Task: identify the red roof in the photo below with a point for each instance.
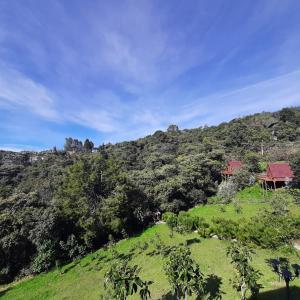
(278, 172)
(232, 166)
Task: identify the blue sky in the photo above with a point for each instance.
(119, 70)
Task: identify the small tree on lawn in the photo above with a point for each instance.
(227, 191)
(122, 280)
(171, 220)
(246, 276)
(184, 274)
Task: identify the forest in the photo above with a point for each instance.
(58, 205)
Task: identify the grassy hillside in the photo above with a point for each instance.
(83, 279)
(74, 200)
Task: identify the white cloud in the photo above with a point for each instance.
(18, 147)
(19, 91)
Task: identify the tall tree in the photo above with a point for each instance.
(88, 145)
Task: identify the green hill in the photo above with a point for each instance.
(83, 278)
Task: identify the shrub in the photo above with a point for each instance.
(227, 191)
(280, 203)
(186, 222)
(243, 178)
(45, 258)
(203, 228)
(225, 229)
(295, 193)
(171, 220)
(270, 231)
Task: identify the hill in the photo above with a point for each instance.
(56, 206)
(83, 278)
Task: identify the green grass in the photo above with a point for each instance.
(83, 279)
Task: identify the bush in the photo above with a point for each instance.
(186, 222)
(45, 258)
(280, 203)
(203, 228)
(270, 231)
(227, 191)
(243, 178)
(225, 229)
(295, 193)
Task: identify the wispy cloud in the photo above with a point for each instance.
(18, 91)
(120, 70)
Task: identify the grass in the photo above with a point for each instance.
(83, 279)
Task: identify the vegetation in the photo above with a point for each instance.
(150, 251)
(184, 274)
(122, 280)
(57, 206)
(246, 276)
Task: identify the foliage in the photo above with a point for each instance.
(295, 193)
(186, 222)
(224, 229)
(227, 191)
(75, 199)
(279, 203)
(184, 274)
(243, 178)
(270, 231)
(171, 220)
(124, 281)
(246, 276)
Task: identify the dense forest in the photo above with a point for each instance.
(55, 206)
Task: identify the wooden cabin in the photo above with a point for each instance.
(277, 175)
(232, 167)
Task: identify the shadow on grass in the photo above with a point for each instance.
(168, 296)
(293, 293)
(192, 241)
(212, 287)
(69, 267)
(212, 290)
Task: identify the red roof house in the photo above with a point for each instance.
(232, 167)
(277, 172)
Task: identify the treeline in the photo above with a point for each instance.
(59, 207)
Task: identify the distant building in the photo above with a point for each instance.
(232, 167)
(277, 175)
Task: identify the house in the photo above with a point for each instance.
(277, 175)
(232, 167)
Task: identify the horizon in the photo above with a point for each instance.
(124, 141)
(114, 72)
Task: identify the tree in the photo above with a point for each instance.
(295, 164)
(227, 191)
(243, 178)
(88, 145)
(246, 276)
(173, 128)
(122, 280)
(280, 203)
(171, 220)
(73, 145)
(184, 274)
(252, 160)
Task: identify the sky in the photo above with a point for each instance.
(119, 70)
